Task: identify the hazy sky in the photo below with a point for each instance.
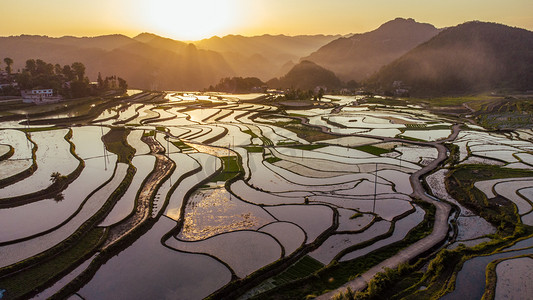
(196, 19)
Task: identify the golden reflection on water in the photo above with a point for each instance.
(213, 211)
(216, 151)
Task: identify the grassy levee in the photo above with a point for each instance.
(302, 268)
(27, 282)
(333, 123)
(8, 154)
(439, 279)
(26, 173)
(217, 137)
(371, 241)
(54, 189)
(499, 211)
(223, 116)
(337, 273)
(39, 265)
(491, 276)
(373, 150)
(301, 127)
(122, 243)
(157, 119)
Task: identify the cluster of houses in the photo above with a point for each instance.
(40, 96)
(36, 96)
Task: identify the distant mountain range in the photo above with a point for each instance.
(467, 58)
(361, 55)
(264, 56)
(149, 61)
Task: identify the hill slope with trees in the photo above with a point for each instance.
(306, 76)
(469, 58)
(361, 55)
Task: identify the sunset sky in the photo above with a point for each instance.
(197, 19)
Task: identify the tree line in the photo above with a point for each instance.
(69, 81)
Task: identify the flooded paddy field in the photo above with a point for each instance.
(196, 195)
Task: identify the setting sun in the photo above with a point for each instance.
(190, 20)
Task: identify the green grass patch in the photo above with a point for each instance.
(254, 149)
(31, 278)
(272, 159)
(182, 146)
(425, 127)
(450, 101)
(115, 142)
(373, 150)
(356, 215)
(498, 211)
(302, 268)
(149, 133)
(308, 147)
(250, 132)
(230, 170)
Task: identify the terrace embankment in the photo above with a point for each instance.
(439, 233)
(163, 167)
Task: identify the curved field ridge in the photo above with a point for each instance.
(53, 155)
(171, 274)
(243, 251)
(338, 242)
(401, 228)
(49, 213)
(13, 253)
(125, 205)
(313, 219)
(288, 234)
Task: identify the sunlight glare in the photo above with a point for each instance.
(192, 19)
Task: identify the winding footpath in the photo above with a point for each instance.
(439, 233)
(162, 168)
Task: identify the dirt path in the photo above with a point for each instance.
(163, 166)
(439, 233)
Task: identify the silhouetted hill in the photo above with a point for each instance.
(263, 56)
(306, 76)
(470, 57)
(361, 55)
(153, 63)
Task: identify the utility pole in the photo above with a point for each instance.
(375, 188)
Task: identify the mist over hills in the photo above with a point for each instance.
(468, 58)
(361, 55)
(264, 56)
(153, 63)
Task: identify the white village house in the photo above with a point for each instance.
(40, 96)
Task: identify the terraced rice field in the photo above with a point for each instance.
(191, 201)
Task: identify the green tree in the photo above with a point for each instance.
(8, 62)
(100, 81)
(24, 80)
(31, 66)
(67, 73)
(79, 70)
(58, 70)
(122, 84)
(320, 93)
